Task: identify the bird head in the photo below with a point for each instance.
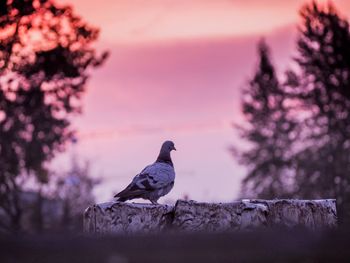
(168, 146)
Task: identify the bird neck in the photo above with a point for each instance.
(164, 157)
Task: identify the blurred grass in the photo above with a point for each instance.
(257, 246)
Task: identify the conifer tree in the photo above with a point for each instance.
(323, 165)
(268, 132)
(46, 54)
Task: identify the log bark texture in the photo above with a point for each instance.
(124, 218)
(117, 217)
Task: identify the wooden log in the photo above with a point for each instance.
(124, 218)
(117, 217)
(195, 216)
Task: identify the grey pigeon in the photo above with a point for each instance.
(155, 181)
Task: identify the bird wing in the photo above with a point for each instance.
(153, 177)
(158, 175)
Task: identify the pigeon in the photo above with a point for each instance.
(154, 181)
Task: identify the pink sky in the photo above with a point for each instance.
(175, 71)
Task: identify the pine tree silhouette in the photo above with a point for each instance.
(323, 166)
(46, 54)
(268, 133)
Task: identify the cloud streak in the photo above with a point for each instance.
(137, 130)
(140, 21)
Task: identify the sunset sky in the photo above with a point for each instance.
(175, 72)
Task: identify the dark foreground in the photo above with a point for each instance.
(261, 246)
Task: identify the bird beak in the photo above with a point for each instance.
(174, 148)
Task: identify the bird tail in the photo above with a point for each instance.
(122, 199)
(124, 195)
(128, 194)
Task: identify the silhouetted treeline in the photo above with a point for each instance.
(299, 129)
(46, 53)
